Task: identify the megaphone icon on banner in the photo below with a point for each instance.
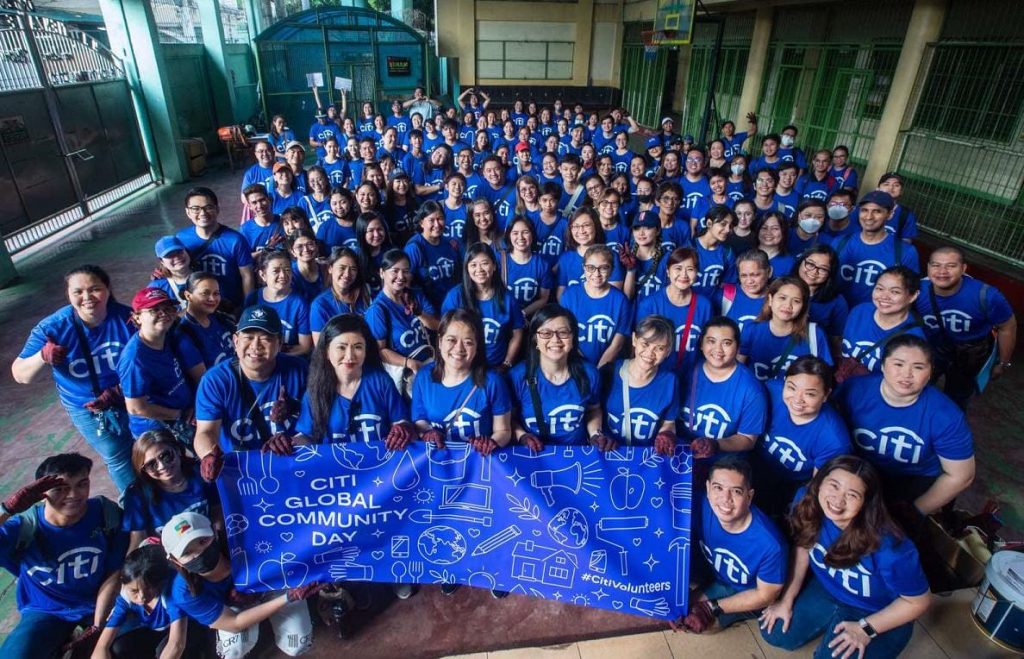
(569, 478)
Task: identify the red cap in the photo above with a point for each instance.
(278, 166)
(522, 146)
(148, 298)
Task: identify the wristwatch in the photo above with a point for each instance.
(716, 610)
(1005, 364)
(868, 629)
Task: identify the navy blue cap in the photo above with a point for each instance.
(653, 141)
(687, 139)
(168, 244)
(880, 197)
(260, 317)
(647, 219)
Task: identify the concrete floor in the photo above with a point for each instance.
(33, 425)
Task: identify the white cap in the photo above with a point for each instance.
(181, 530)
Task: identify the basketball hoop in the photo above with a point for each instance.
(650, 44)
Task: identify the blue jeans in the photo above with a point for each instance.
(816, 612)
(113, 442)
(38, 636)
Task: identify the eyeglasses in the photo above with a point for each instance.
(591, 269)
(814, 268)
(209, 208)
(162, 310)
(547, 335)
(305, 247)
(165, 458)
(695, 160)
(608, 203)
(579, 226)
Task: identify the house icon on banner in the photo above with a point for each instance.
(551, 567)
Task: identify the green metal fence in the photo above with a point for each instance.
(962, 149)
(833, 92)
(732, 67)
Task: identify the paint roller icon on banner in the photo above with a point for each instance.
(619, 532)
(574, 478)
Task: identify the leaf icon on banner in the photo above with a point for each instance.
(523, 508)
(306, 452)
(651, 458)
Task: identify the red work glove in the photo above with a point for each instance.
(282, 408)
(31, 494)
(626, 257)
(275, 240)
(484, 445)
(278, 444)
(703, 447)
(158, 273)
(305, 592)
(211, 464)
(399, 436)
(700, 617)
(532, 442)
(408, 300)
(435, 437)
(603, 442)
(53, 353)
(82, 641)
(109, 397)
(665, 443)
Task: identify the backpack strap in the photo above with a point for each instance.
(112, 515)
(812, 337)
(250, 404)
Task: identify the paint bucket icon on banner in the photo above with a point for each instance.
(449, 463)
(680, 500)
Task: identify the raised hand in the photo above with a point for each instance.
(31, 494)
(53, 353)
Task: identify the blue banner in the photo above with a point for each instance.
(608, 530)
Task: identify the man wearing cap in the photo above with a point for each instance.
(655, 149)
(667, 134)
(902, 221)
(250, 401)
(157, 369)
(322, 128)
(215, 248)
(732, 140)
(863, 256)
(65, 553)
(208, 595)
(524, 161)
(295, 156)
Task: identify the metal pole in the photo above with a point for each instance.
(713, 78)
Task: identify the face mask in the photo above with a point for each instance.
(206, 561)
(787, 140)
(837, 212)
(810, 224)
(737, 169)
(645, 198)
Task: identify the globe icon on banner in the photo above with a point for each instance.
(442, 545)
(569, 528)
(369, 456)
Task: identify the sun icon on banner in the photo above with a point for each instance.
(423, 495)
(263, 547)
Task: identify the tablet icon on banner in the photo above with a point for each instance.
(400, 546)
(469, 496)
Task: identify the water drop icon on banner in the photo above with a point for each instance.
(405, 476)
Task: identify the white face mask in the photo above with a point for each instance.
(810, 224)
(787, 140)
(837, 212)
(737, 169)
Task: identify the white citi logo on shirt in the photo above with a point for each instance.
(864, 273)
(466, 424)
(709, 277)
(643, 424)
(443, 269)
(691, 341)
(855, 580)
(74, 564)
(105, 354)
(562, 419)
(597, 329)
(786, 452)
(214, 264)
(710, 420)
(727, 564)
(895, 442)
(367, 429)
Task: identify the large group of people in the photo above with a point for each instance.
(517, 277)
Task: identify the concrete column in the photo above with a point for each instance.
(584, 36)
(221, 85)
(754, 77)
(133, 36)
(925, 27)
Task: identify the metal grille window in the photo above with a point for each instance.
(177, 21)
(236, 26)
(517, 60)
(975, 92)
(732, 67)
(962, 150)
